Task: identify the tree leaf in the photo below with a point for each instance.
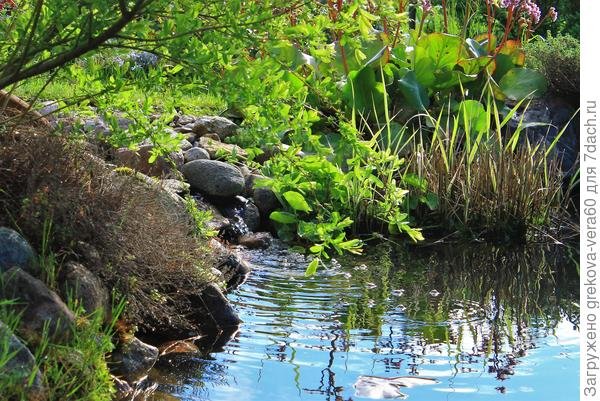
(283, 217)
(297, 201)
(311, 269)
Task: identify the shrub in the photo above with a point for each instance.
(558, 59)
(145, 239)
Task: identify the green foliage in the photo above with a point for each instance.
(352, 88)
(201, 218)
(558, 59)
(76, 370)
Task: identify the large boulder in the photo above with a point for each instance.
(214, 178)
(134, 360)
(21, 366)
(85, 287)
(15, 251)
(38, 305)
(215, 125)
(542, 122)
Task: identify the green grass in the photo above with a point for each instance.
(186, 98)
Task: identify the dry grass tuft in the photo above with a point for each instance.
(144, 239)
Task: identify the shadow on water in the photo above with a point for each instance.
(481, 320)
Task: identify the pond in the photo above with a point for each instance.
(447, 322)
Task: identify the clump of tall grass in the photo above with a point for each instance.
(490, 181)
(75, 370)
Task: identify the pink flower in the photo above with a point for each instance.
(509, 3)
(426, 5)
(531, 9)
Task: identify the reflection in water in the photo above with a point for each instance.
(482, 321)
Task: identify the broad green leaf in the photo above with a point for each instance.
(283, 217)
(473, 116)
(364, 93)
(414, 93)
(297, 201)
(435, 57)
(522, 83)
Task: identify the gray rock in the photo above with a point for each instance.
(256, 240)
(218, 221)
(265, 200)
(216, 149)
(175, 186)
(196, 154)
(181, 120)
(86, 288)
(212, 136)
(21, 366)
(185, 145)
(244, 209)
(134, 360)
(124, 392)
(49, 107)
(38, 305)
(235, 270)
(215, 125)
(251, 216)
(250, 182)
(214, 178)
(216, 306)
(138, 160)
(15, 251)
(543, 121)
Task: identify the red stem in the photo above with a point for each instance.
(445, 16)
(489, 26)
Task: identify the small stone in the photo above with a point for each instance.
(123, 390)
(21, 365)
(134, 359)
(15, 251)
(215, 125)
(235, 270)
(86, 288)
(195, 154)
(265, 200)
(185, 145)
(260, 240)
(181, 120)
(138, 160)
(216, 149)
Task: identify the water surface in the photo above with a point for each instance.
(484, 322)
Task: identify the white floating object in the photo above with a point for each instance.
(381, 388)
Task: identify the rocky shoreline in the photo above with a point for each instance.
(239, 216)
